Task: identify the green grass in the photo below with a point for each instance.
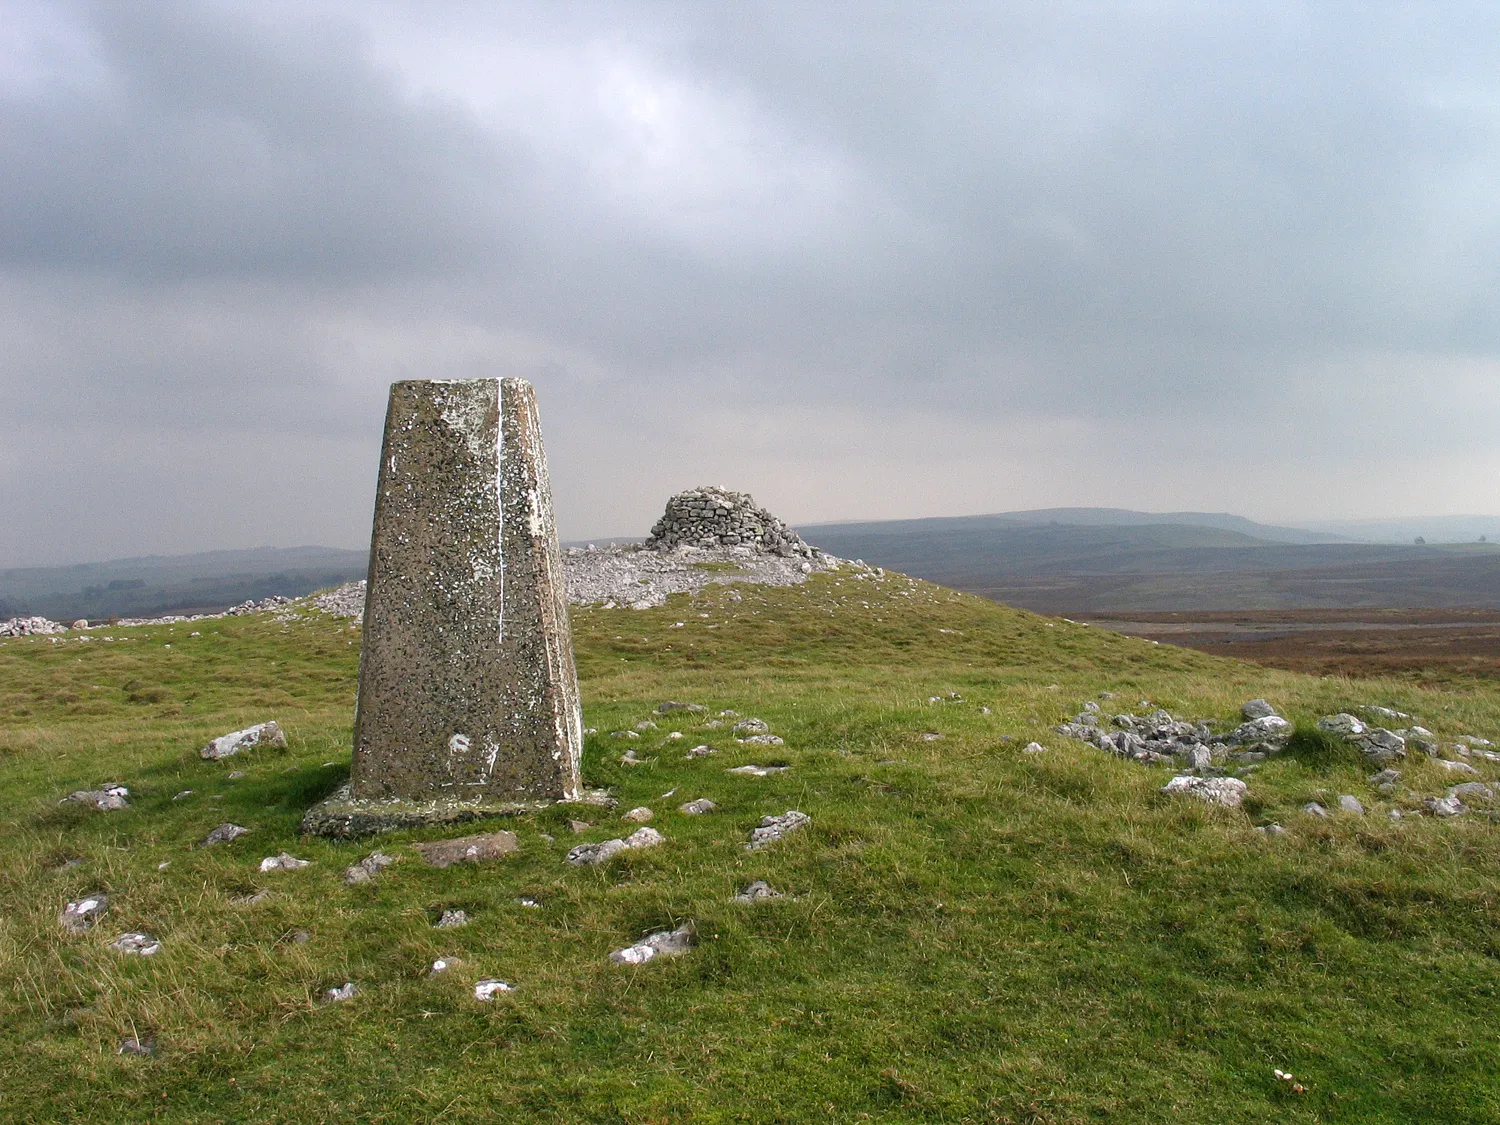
(970, 933)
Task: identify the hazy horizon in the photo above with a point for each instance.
(865, 262)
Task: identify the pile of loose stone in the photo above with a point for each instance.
(1206, 758)
(30, 627)
(42, 627)
(717, 517)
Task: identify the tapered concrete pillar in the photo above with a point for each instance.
(468, 694)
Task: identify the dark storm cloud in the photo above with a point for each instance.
(882, 258)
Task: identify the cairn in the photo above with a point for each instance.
(716, 517)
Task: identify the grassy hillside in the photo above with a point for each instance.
(970, 933)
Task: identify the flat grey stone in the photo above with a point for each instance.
(79, 917)
(1445, 806)
(452, 920)
(130, 1045)
(1343, 725)
(1226, 791)
(758, 891)
(106, 799)
(1456, 767)
(673, 705)
(697, 808)
(639, 815)
(773, 828)
(1256, 709)
(762, 740)
(751, 726)
(282, 862)
(237, 742)
(1313, 808)
(1472, 791)
(1351, 804)
(223, 834)
(757, 771)
(1272, 830)
(136, 944)
(468, 849)
(367, 868)
(591, 855)
(664, 943)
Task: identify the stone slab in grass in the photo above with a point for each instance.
(469, 849)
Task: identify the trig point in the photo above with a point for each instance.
(468, 694)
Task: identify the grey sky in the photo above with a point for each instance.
(864, 260)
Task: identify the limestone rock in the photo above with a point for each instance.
(1226, 791)
(773, 828)
(1313, 808)
(1456, 767)
(105, 800)
(235, 742)
(1351, 804)
(763, 740)
(757, 771)
(282, 862)
(130, 1045)
(487, 989)
(758, 891)
(223, 834)
(1344, 725)
(136, 944)
(591, 855)
(1033, 748)
(347, 991)
(367, 868)
(1271, 731)
(673, 705)
(468, 849)
(664, 943)
(79, 917)
(1256, 709)
(1472, 791)
(751, 726)
(1445, 806)
(639, 815)
(452, 920)
(697, 808)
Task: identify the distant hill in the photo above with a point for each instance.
(1066, 565)
(1435, 529)
(159, 584)
(1124, 517)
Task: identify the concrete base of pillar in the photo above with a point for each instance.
(342, 815)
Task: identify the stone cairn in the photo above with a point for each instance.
(716, 517)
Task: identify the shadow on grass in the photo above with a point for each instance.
(1320, 751)
(309, 787)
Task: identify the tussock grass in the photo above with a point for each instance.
(969, 933)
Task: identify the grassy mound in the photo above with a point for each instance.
(968, 932)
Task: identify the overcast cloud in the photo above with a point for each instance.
(864, 260)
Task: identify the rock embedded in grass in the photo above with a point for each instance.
(1351, 804)
(640, 815)
(773, 828)
(367, 868)
(1472, 791)
(130, 1045)
(1033, 748)
(1253, 709)
(238, 741)
(1313, 808)
(105, 799)
(79, 917)
(664, 943)
(673, 705)
(347, 992)
(487, 989)
(452, 920)
(1445, 806)
(697, 808)
(282, 862)
(223, 834)
(1456, 767)
(136, 944)
(751, 726)
(765, 740)
(700, 751)
(468, 849)
(758, 891)
(757, 771)
(1226, 791)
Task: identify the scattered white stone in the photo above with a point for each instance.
(1033, 748)
(130, 1045)
(488, 989)
(261, 734)
(30, 627)
(1226, 791)
(1343, 724)
(773, 828)
(136, 944)
(1272, 830)
(282, 862)
(700, 751)
(223, 834)
(665, 943)
(697, 808)
(931, 735)
(184, 794)
(529, 903)
(758, 891)
(591, 855)
(762, 740)
(1385, 713)
(640, 815)
(751, 726)
(78, 917)
(1312, 808)
(452, 920)
(757, 771)
(439, 967)
(1472, 791)
(623, 734)
(335, 995)
(1351, 804)
(629, 759)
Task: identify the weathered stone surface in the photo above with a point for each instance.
(718, 517)
(261, 734)
(773, 828)
(697, 808)
(136, 944)
(1256, 709)
(758, 891)
(79, 917)
(1226, 791)
(366, 869)
(223, 834)
(468, 693)
(468, 849)
(282, 862)
(105, 800)
(665, 943)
